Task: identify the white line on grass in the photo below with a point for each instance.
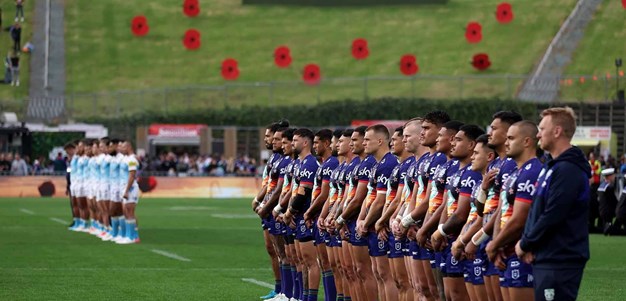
(234, 216)
(190, 208)
(257, 282)
(170, 255)
(27, 211)
(58, 220)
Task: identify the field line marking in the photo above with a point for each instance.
(257, 282)
(58, 220)
(170, 255)
(27, 211)
(234, 216)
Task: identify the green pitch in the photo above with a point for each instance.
(216, 244)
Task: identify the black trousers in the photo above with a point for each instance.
(557, 284)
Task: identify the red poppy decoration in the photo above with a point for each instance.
(192, 39)
(481, 61)
(139, 26)
(504, 13)
(191, 8)
(408, 65)
(624, 4)
(311, 74)
(359, 49)
(473, 32)
(230, 71)
(282, 57)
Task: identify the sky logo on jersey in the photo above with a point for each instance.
(526, 187)
(306, 173)
(382, 179)
(364, 172)
(327, 171)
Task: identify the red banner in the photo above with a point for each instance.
(175, 130)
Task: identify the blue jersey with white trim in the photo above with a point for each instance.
(92, 166)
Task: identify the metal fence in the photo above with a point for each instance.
(574, 88)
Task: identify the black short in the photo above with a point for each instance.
(557, 283)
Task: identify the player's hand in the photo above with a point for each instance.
(526, 257)
(437, 240)
(491, 251)
(279, 218)
(254, 204)
(470, 250)
(382, 235)
(380, 225)
(421, 237)
(320, 223)
(488, 178)
(411, 232)
(360, 228)
(500, 261)
(275, 214)
(125, 196)
(457, 249)
(67, 192)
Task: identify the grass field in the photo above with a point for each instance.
(103, 55)
(221, 239)
(8, 14)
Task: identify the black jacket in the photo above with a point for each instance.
(557, 228)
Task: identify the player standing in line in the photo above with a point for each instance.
(357, 193)
(115, 210)
(458, 196)
(430, 259)
(70, 150)
(489, 198)
(411, 139)
(130, 194)
(516, 197)
(395, 188)
(352, 288)
(431, 124)
(376, 144)
(92, 184)
(556, 235)
(104, 196)
(321, 190)
(269, 247)
(333, 241)
(276, 178)
(484, 155)
(81, 186)
(294, 216)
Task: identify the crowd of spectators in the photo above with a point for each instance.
(16, 165)
(170, 164)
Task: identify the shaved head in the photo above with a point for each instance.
(528, 129)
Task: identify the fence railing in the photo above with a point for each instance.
(578, 88)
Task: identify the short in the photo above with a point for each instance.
(436, 263)
(91, 189)
(517, 274)
(73, 188)
(103, 192)
(413, 249)
(289, 235)
(355, 238)
(337, 241)
(557, 283)
(274, 227)
(79, 191)
(490, 268)
(474, 270)
(303, 233)
(133, 195)
(449, 265)
(396, 246)
(426, 254)
(377, 247)
(320, 235)
(115, 194)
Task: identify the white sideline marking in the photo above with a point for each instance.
(257, 282)
(234, 216)
(58, 220)
(27, 211)
(170, 255)
(190, 208)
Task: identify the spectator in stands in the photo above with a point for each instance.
(8, 160)
(622, 168)
(610, 162)
(5, 166)
(169, 163)
(15, 69)
(16, 35)
(59, 163)
(19, 10)
(19, 167)
(38, 166)
(594, 182)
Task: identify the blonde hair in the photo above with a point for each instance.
(563, 117)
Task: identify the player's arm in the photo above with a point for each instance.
(259, 196)
(431, 224)
(319, 202)
(466, 237)
(513, 229)
(131, 177)
(376, 208)
(391, 209)
(419, 212)
(271, 203)
(456, 221)
(355, 203)
(298, 202)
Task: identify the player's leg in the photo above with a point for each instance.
(427, 259)
(335, 266)
(330, 291)
(378, 250)
(352, 289)
(454, 283)
(271, 251)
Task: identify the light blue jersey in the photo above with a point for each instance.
(73, 169)
(92, 168)
(83, 162)
(114, 171)
(105, 165)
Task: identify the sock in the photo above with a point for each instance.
(91, 222)
(296, 283)
(340, 297)
(330, 291)
(115, 223)
(277, 286)
(347, 298)
(285, 272)
(313, 295)
(130, 229)
(305, 295)
(122, 230)
(302, 286)
(75, 224)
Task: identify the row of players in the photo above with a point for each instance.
(435, 211)
(104, 190)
